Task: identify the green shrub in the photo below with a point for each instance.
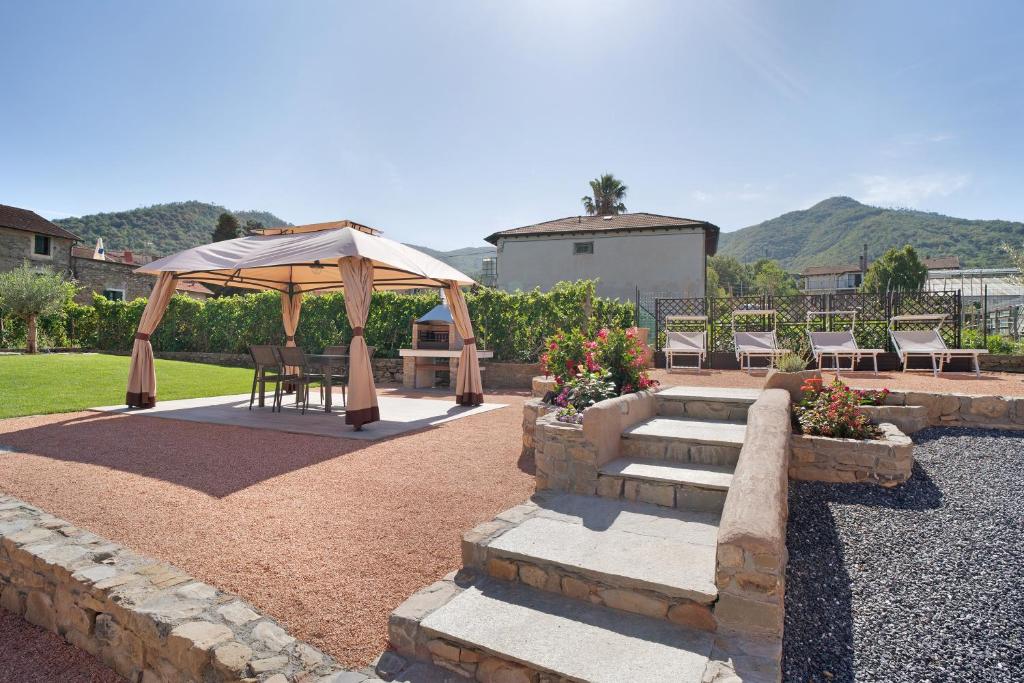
(511, 324)
(791, 362)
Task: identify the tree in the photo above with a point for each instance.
(608, 193)
(771, 279)
(733, 277)
(898, 270)
(251, 226)
(28, 294)
(227, 228)
(1017, 259)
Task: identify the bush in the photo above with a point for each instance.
(832, 411)
(586, 389)
(791, 362)
(513, 325)
(617, 354)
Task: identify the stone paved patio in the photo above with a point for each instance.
(325, 534)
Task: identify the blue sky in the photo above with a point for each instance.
(442, 122)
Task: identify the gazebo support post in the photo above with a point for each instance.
(357, 278)
(469, 389)
(141, 391)
(291, 307)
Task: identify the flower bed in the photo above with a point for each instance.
(836, 440)
(589, 370)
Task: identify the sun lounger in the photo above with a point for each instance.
(928, 344)
(839, 344)
(750, 345)
(685, 343)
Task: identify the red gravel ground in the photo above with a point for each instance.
(29, 654)
(989, 384)
(327, 535)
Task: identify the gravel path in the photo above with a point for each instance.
(328, 535)
(29, 654)
(924, 582)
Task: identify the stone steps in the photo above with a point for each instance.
(497, 631)
(706, 403)
(629, 556)
(692, 440)
(667, 483)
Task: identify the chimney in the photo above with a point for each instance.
(126, 256)
(864, 259)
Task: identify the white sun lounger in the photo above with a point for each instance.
(750, 345)
(685, 343)
(928, 344)
(839, 345)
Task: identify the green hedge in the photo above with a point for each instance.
(512, 324)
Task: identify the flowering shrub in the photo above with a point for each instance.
(871, 398)
(832, 411)
(586, 389)
(590, 370)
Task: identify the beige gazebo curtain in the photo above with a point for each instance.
(469, 390)
(357, 276)
(291, 306)
(141, 374)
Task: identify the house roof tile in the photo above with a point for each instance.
(22, 219)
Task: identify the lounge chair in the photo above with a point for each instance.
(928, 343)
(750, 345)
(685, 343)
(837, 345)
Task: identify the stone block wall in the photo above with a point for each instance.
(95, 276)
(532, 411)
(995, 362)
(149, 621)
(501, 375)
(16, 248)
(751, 558)
(963, 410)
(541, 385)
(887, 461)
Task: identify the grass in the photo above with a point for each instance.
(65, 382)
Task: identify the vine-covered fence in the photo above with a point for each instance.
(873, 313)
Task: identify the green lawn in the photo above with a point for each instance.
(63, 382)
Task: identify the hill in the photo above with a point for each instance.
(833, 232)
(160, 229)
(469, 260)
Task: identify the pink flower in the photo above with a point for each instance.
(602, 333)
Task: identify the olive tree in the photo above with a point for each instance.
(27, 294)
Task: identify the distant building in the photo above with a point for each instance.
(845, 278)
(489, 271)
(25, 236)
(626, 252)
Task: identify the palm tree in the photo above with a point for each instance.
(608, 195)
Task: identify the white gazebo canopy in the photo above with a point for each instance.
(295, 260)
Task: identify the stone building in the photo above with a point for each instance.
(27, 236)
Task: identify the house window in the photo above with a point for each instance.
(113, 294)
(583, 247)
(41, 246)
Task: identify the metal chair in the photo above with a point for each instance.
(267, 369)
(337, 378)
(292, 356)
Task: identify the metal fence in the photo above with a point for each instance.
(873, 315)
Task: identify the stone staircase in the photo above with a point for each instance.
(616, 587)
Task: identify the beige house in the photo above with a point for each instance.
(625, 252)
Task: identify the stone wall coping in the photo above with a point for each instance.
(146, 619)
(604, 422)
(755, 511)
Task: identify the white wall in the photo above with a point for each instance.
(655, 261)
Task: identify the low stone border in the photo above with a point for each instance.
(886, 461)
(541, 385)
(964, 410)
(147, 620)
(909, 419)
(533, 410)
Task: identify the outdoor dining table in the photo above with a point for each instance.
(327, 364)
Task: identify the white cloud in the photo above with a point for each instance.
(888, 190)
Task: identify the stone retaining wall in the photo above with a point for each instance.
(963, 410)
(568, 456)
(147, 620)
(998, 362)
(751, 558)
(886, 461)
(532, 411)
(541, 385)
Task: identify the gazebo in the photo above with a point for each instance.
(306, 259)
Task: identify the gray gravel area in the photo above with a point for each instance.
(924, 582)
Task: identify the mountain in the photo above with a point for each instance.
(834, 232)
(469, 260)
(163, 229)
(160, 229)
